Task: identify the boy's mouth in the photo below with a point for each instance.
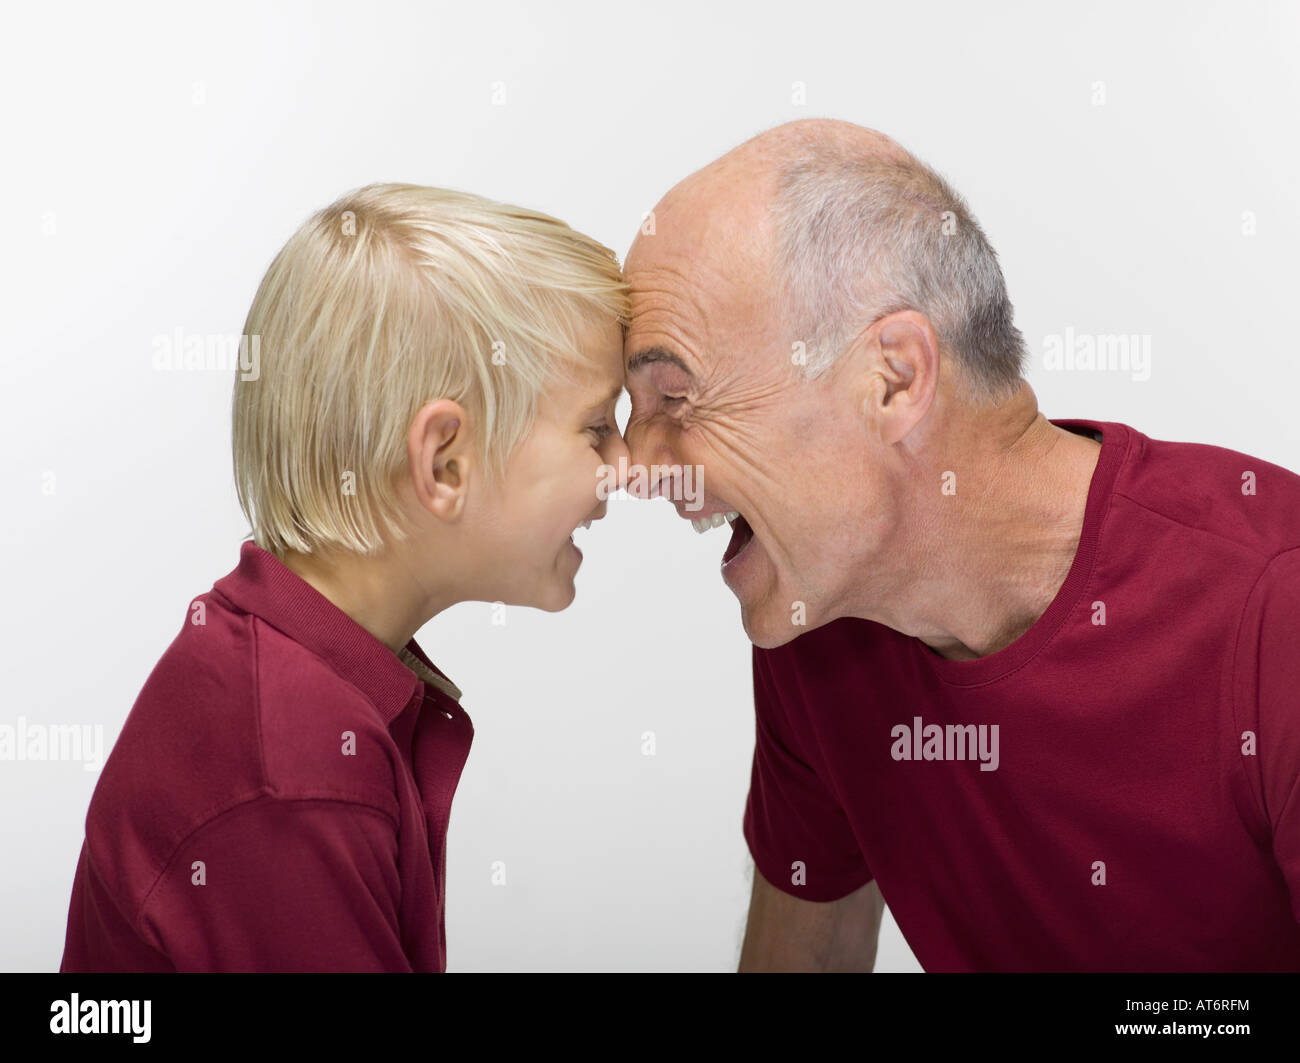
(586, 524)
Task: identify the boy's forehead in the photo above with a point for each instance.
(599, 371)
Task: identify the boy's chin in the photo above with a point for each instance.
(551, 592)
(556, 596)
(561, 606)
(565, 592)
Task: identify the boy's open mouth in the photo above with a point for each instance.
(584, 526)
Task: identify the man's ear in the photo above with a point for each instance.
(898, 374)
(439, 454)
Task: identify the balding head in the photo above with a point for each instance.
(727, 206)
(734, 198)
(845, 225)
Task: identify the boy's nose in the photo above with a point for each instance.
(618, 457)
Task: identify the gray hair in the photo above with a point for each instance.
(864, 236)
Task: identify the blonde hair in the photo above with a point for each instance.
(391, 297)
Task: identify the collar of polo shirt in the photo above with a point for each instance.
(425, 673)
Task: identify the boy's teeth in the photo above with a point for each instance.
(585, 524)
(715, 521)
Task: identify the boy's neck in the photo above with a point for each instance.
(373, 591)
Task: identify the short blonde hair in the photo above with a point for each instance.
(391, 297)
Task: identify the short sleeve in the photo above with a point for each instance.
(1271, 628)
(282, 885)
(792, 822)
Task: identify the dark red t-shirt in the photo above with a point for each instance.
(1142, 810)
(278, 798)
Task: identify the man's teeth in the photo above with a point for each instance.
(715, 521)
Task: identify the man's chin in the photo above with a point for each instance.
(766, 630)
(768, 625)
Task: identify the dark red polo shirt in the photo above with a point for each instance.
(278, 797)
(1144, 811)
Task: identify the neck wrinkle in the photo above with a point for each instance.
(979, 578)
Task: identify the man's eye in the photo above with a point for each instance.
(673, 400)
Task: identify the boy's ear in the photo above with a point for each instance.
(439, 453)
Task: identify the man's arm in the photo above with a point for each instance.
(784, 933)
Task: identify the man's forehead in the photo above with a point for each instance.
(672, 310)
(673, 280)
(688, 298)
(699, 268)
(718, 210)
(672, 245)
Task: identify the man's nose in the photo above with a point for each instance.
(649, 450)
(647, 446)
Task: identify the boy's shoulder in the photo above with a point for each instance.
(234, 711)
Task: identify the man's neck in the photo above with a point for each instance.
(989, 559)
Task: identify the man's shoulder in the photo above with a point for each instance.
(1228, 495)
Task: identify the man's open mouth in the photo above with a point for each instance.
(741, 533)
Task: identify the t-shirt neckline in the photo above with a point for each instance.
(1115, 442)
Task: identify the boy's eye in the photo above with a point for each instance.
(602, 431)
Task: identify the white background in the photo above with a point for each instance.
(174, 151)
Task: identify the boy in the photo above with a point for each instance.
(426, 423)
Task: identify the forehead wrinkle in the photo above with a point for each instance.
(668, 284)
(657, 311)
(731, 378)
(705, 302)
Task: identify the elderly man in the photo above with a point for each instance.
(1032, 682)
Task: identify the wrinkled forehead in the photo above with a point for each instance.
(700, 269)
(697, 281)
